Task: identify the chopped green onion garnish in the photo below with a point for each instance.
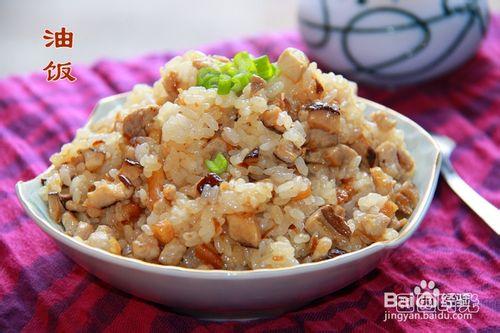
(213, 81)
(244, 62)
(204, 75)
(224, 85)
(218, 165)
(240, 81)
(236, 74)
(264, 67)
(229, 69)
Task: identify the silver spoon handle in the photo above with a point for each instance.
(485, 210)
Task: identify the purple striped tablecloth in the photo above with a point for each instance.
(42, 290)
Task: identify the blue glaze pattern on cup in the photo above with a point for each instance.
(390, 42)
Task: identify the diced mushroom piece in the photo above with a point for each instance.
(382, 181)
(318, 86)
(284, 104)
(324, 116)
(208, 255)
(339, 155)
(93, 159)
(293, 63)
(335, 252)
(130, 172)
(256, 83)
(106, 194)
(317, 138)
(384, 123)
(211, 179)
(69, 222)
(406, 198)
(405, 160)
(287, 152)
(124, 179)
(270, 119)
(251, 158)
(137, 123)
(371, 156)
(56, 208)
(387, 154)
(326, 222)
(244, 229)
(65, 194)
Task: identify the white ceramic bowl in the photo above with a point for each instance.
(221, 294)
(388, 42)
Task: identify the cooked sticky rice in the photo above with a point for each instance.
(305, 176)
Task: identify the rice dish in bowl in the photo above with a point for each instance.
(235, 164)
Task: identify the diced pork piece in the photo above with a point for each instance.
(382, 181)
(405, 161)
(69, 222)
(387, 155)
(106, 194)
(83, 230)
(56, 208)
(172, 253)
(339, 155)
(383, 121)
(171, 83)
(320, 139)
(93, 159)
(103, 238)
(244, 229)
(406, 198)
(145, 247)
(293, 63)
(137, 123)
(287, 152)
(270, 119)
(333, 156)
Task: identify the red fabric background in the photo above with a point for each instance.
(42, 290)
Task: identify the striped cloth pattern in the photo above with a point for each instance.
(42, 290)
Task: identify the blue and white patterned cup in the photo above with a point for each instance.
(391, 42)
